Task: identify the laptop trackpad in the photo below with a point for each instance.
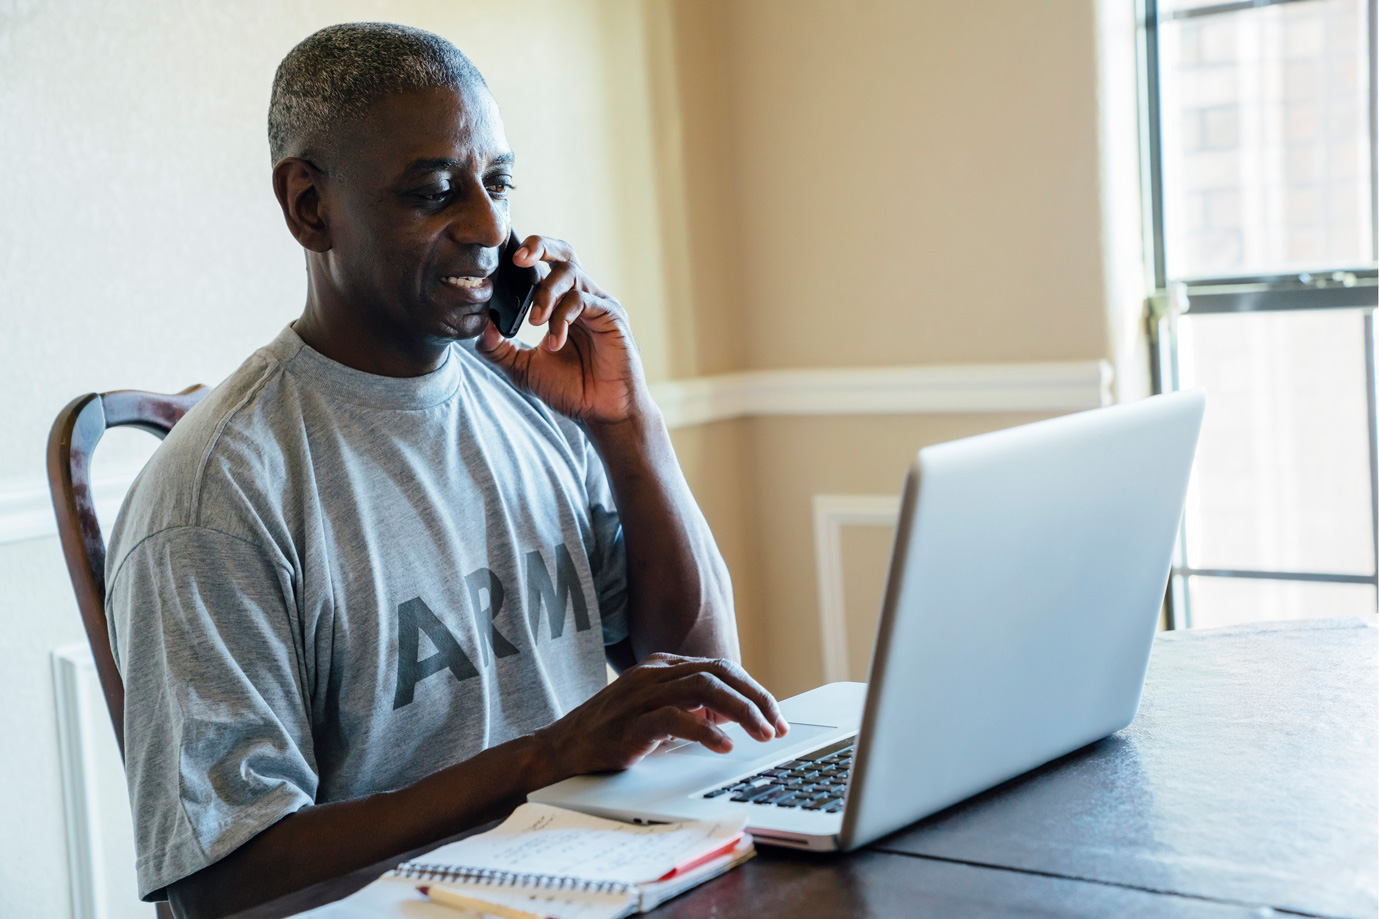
(747, 748)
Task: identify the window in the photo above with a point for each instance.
(1260, 129)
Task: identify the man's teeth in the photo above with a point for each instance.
(463, 282)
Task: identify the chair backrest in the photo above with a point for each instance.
(77, 430)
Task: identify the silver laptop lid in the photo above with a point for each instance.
(1025, 584)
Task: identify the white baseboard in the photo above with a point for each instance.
(73, 672)
(831, 514)
(26, 506)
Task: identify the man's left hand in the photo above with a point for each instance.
(587, 367)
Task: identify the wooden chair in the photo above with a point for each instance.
(77, 430)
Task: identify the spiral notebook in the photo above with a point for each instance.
(559, 863)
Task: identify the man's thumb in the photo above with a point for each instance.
(500, 351)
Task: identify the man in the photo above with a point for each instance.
(361, 596)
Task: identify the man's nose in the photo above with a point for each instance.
(481, 221)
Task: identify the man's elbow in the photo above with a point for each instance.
(215, 891)
(194, 896)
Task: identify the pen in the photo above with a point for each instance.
(450, 898)
(686, 867)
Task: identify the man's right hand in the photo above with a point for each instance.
(664, 697)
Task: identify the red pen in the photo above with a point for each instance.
(686, 867)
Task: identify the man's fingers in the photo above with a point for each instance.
(546, 253)
(733, 675)
(570, 308)
(707, 690)
(670, 721)
(716, 717)
(544, 249)
(552, 288)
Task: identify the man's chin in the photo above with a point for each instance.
(462, 326)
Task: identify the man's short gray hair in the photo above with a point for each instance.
(334, 75)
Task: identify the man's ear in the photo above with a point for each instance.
(298, 185)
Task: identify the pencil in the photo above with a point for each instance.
(450, 898)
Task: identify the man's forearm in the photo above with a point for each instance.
(325, 841)
(679, 592)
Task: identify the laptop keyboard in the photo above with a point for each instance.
(817, 781)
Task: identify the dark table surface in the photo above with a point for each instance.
(1247, 785)
(1248, 779)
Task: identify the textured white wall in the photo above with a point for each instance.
(141, 247)
(140, 244)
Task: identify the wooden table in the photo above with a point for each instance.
(1248, 782)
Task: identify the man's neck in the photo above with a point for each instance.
(343, 336)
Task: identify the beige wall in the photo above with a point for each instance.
(793, 459)
(870, 183)
(886, 183)
(918, 181)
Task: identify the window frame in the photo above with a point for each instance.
(1341, 287)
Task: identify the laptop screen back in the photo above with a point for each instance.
(1026, 580)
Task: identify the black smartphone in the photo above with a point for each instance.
(513, 288)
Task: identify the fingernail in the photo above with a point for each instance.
(521, 253)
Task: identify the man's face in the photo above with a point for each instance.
(417, 204)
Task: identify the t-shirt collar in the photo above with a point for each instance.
(305, 362)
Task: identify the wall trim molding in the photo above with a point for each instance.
(26, 510)
(831, 514)
(74, 672)
(26, 505)
(1050, 386)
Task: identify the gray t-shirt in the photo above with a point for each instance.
(327, 584)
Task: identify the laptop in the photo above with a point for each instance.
(1021, 602)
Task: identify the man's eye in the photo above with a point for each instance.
(434, 195)
(499, 188)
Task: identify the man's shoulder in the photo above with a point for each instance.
(229, 438)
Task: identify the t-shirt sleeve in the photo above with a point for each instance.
(607, 555)
(217, 730)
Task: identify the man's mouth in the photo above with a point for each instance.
(464, 282)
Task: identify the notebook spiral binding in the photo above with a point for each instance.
(427, 872)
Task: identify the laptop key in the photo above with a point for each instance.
(716, 792)
(821, 803)
(751, 794)
(771, 796)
